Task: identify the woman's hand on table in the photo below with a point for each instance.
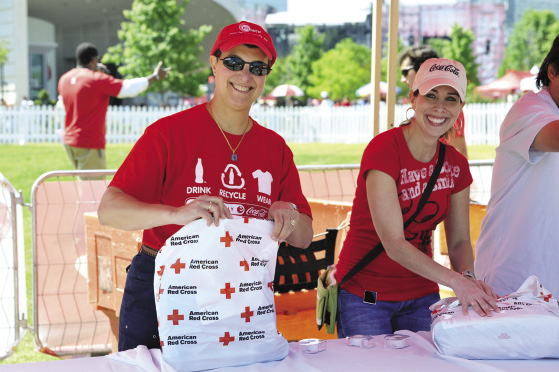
(478, 294)
(210, 208)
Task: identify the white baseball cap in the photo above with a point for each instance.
(435, 72)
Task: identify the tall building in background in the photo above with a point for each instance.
(256, 10)
(487, 20)
(516, 8)
(417, 24)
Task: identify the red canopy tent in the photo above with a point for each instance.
(505, 85)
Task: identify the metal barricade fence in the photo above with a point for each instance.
(64, 320)
(13, 299)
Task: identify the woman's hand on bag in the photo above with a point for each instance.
(210, 208)
(479, 295)
(285, 219)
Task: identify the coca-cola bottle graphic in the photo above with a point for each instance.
(199, 172)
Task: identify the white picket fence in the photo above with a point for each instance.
(125, 124)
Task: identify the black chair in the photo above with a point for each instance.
(298, 269)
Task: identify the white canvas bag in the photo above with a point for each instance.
(526, 328)
(214, 295)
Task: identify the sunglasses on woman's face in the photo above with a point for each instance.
(236, 64)
(406, 70)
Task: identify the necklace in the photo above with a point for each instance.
(233, 150)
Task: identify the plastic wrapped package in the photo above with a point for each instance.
(526, 328)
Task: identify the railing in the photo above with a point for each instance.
(13, 300)
(125, 124)
(64, 320)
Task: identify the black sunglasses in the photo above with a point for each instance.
(406, 70)
(237, 64)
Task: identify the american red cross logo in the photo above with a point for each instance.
(226, 339)
(227, 239)
(175, 317)
(247, 314)
(162, 343)
(160, 272)
(245, 219)
(271, 286)
(546, 297)
(244, 264)
(178, 266)
(161, 290)
(227, 291)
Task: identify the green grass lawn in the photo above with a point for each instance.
(22, 165)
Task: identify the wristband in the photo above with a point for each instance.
(469, 273)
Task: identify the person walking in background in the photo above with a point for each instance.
(85, 92)
(410, 60)
(519, 235)
(395, 290)
(211, 161)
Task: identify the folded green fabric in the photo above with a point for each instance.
(327, 301)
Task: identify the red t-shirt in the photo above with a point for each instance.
(183, 156)
(389, 153)
(86, 96)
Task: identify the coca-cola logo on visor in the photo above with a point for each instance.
(449, 68)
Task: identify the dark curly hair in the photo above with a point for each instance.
(417, 55)
(552, 59)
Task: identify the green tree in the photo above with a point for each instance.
(459, 48)
(154, 32)
(530, 41)
(341, 71)
(384, 70)
(439, 44)
(301, 58)
(280, 74)
(4, 50)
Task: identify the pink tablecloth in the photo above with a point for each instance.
(420, 356)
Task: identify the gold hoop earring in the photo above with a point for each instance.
(461, 124)
(410, 108)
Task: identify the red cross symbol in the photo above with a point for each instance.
(245, 219)
(271, 286)
(227, 239)
(227, 291)
(247, 314)
(161, 290)
(546, 297)
(162, 343)
(175, 317)
(160, 272)
(244, 264)
(178, 266)
(226, 339)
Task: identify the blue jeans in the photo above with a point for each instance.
(358, 318)
(138, 317)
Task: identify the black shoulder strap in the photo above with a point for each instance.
(369, 257)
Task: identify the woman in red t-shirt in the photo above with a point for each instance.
(395, 290)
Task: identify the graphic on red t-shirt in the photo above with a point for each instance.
(177, 160)
(388, 152)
